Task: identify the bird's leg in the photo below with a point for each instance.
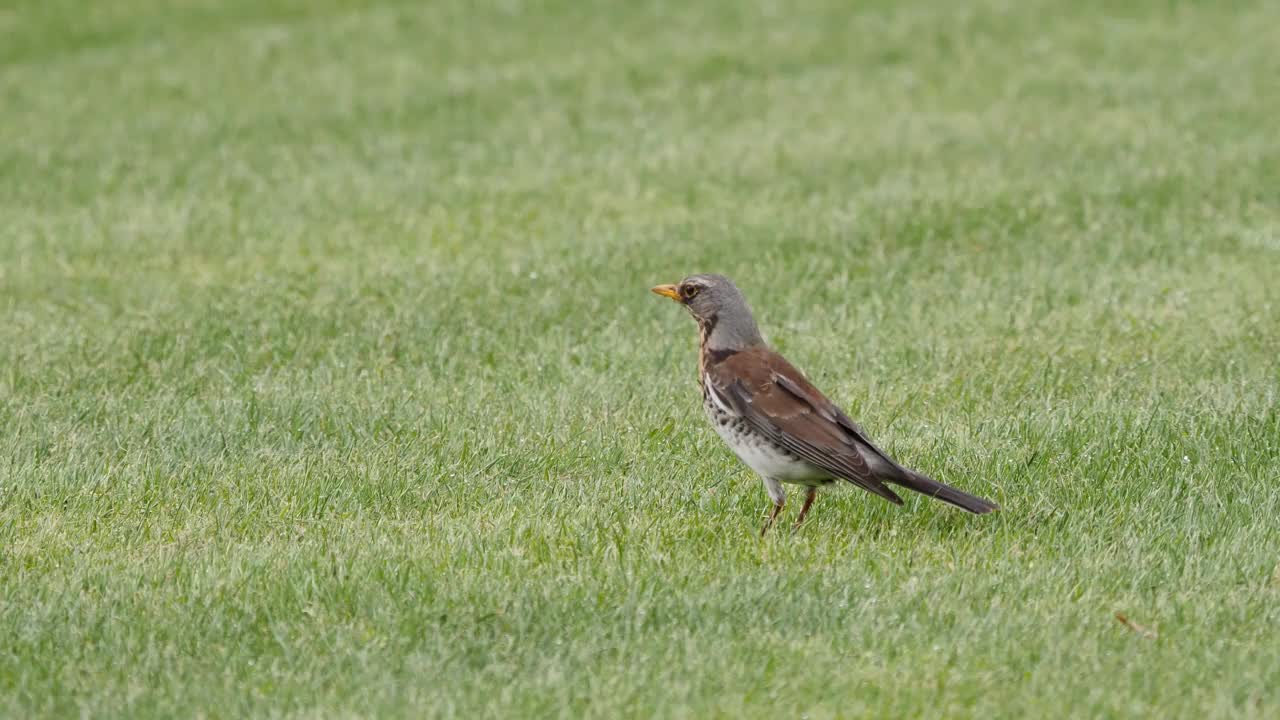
(777, 508)
(804, 510)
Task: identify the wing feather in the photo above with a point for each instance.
(794, 426)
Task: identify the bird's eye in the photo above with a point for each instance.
(690, 291)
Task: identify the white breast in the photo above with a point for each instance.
(759, 454)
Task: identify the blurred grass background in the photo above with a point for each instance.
(330, 384)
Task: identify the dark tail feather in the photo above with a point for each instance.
(946, 493)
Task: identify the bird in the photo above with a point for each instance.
(775, 420)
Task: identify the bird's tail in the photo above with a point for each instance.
(912, 480)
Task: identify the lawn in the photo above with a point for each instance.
(331, 385)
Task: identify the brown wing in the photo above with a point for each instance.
(777, 401)
(796, 384)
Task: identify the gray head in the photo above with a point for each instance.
(722, 313)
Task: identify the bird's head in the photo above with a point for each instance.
(720, 309)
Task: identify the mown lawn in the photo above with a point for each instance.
(330, 384)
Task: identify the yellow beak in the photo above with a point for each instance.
(670, 291)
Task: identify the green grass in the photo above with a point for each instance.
(330, 384)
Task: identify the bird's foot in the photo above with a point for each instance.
(777, 508)
(804, 510)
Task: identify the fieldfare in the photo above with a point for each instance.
(775, 420)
